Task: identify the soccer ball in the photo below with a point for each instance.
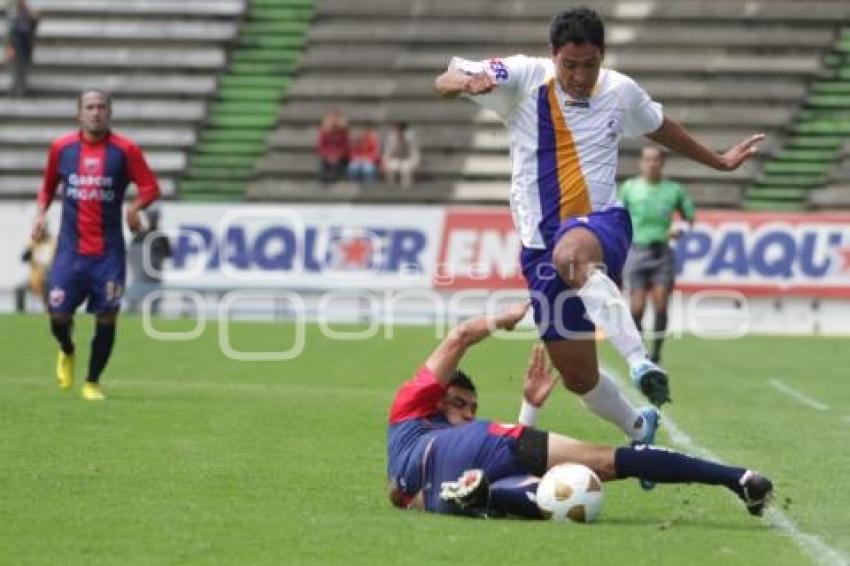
(570, 492)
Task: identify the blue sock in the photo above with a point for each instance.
(62, 332)
(101, 348)
(663, 465)
(514, 495)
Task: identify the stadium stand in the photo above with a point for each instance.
(812, 156)
(266, 55)
(725, 68)
(160, 58)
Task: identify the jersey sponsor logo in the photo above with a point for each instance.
(89, 180)
(498, 70)
(89, 193)
(282, 249)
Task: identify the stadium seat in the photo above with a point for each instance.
(159, 58)
(726, 69)
(272, 36)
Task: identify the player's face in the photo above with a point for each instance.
(577, 68)
(459, 405)
(94, 113)
(651, 163)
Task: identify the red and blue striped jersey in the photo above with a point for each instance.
(94, 178)
(414, 414)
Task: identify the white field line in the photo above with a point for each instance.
(789, 391)
(813, 546)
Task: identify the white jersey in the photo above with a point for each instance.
(563, 150)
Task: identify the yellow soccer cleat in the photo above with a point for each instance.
(92, 392)
(65, 370)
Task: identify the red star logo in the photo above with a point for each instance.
(356, 252)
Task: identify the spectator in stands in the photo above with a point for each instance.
(20, 40)
(39, 254)
(148, 251)
(333, 147)
(365, 155)
(401, 155)
(650, 269)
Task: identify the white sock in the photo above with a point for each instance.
(606, 309)
(608, 402)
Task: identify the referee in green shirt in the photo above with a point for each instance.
(651, 201)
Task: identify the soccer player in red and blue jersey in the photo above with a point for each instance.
(444, 460)
(94, 166)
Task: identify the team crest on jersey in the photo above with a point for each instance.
(57, 297)
(612, 131)
(91, 163)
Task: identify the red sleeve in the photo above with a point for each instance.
(51, 177)
(321, 143)
(418, 397)
(142, 175)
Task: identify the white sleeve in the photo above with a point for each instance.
(643, 115)
(511, 75)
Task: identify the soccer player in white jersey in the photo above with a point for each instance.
(565, 116)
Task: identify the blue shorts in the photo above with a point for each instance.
(558, 312)
(76, 277)
(481, 445)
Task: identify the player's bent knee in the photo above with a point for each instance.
(572, 261)
(579, 382)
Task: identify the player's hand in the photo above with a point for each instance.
(675, 233)
(734, 157)
(39, 226)
(539, 380)
(479, 83)
(134, 220)
(508, 318)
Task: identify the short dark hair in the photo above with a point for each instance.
(579, 26)
(461, 380)
(105, 94)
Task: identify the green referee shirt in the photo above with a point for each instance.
(651, 207)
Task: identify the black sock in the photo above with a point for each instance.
(663, 465)
(638, 318)
(513, 495)
(62, 331)
(101, 347)
(660, 333)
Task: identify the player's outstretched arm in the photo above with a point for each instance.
(454, 82)
(673, 135)
(445, 359)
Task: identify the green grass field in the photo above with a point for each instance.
(195, 458)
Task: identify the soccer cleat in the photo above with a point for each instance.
(756, 492)
(65, 370)
(92, 392)
(651, 417)
(652, 381)
(470, 491)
